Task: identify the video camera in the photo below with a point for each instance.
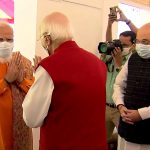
(108, 47)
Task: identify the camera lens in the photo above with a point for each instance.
(103, 48)
(108, 47)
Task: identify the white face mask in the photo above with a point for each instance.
(6, 49)
(143, 50)
(126, 51)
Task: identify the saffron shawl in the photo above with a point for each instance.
(22, 135)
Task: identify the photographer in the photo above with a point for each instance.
(114, 62)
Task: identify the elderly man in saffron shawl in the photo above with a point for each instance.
(15, 80)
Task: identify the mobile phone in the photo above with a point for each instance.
(113, 11)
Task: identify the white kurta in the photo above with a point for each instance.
(38, 99)
(118, 98)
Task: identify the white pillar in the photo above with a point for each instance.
(25, 27)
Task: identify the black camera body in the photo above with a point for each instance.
(108, 47)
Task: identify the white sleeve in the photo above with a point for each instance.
(120, 84)
(37, 101)
(144, 112)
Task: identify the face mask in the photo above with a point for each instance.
(125, 51)
(143, 50)
(6, 49)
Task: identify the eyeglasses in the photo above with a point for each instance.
(44, 35)
(143, 41)
(6, 39)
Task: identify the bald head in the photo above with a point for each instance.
(6, 31)
(144, 32)
(57, 25)
(57, 18)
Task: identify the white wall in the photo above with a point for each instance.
(25, 27)
(25, 36)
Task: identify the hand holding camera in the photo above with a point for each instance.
(111, 19)
(122, 16)
(114, 49)
(117, 57)
(108, 47)
(113, 15)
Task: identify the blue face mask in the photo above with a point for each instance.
(143, 50)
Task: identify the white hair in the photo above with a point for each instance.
(57, 26)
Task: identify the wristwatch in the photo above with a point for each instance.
(128, 22)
